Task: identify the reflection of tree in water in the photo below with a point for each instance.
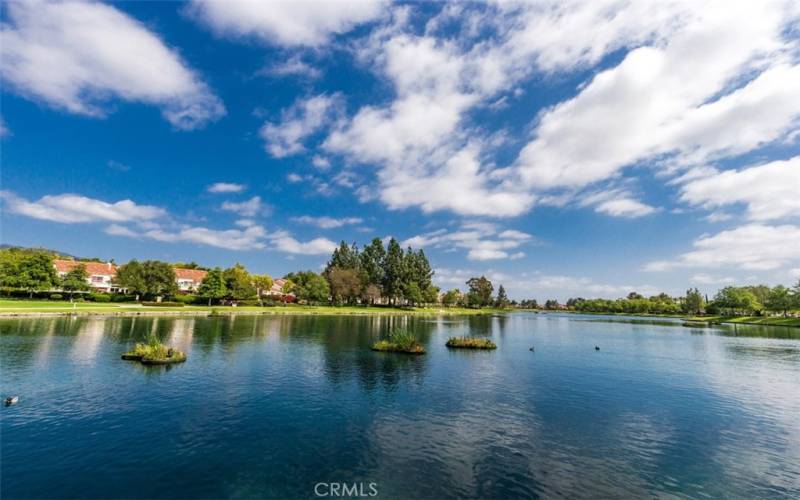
(480, 326)
(346, 342)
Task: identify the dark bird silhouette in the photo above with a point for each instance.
(531, 349)
(596, 348)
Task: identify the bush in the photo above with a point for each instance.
(400, 340)
(470, 343)
(163, 304)
(99, 297)
(56, 296)
(121, 297)
(186, 299)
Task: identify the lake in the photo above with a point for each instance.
(272, 406)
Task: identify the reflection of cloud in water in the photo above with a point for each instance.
(757, 383)
(88, 339)
(181, 334)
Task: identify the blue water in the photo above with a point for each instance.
(269, 407)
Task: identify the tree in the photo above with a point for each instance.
(431, 295)
(36, 272)
(502, 298)
(451, 297)
(634, 296)
(371, 260)
(345, 284)
(262, 283)
(213, 286)
(393, 271)
(736, 300)
(779, 299)
(413, 294)
(151, 278)
(371, 293)
(239, 283)
(693, 303)
(343, 257)
(309, 286)
(551, 304)
(480, 292)
(75, 280)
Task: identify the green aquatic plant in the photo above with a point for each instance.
(400, 340)
(470, 343)
(154, 352)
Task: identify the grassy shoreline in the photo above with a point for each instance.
(747, 320)
(38, 308)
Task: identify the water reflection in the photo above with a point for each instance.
(266, 405)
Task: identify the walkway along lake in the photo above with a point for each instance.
(270, 406)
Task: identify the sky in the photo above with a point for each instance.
(560, 148)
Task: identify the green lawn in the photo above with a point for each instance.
(21, 307)
(749, 320)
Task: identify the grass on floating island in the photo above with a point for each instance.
(399, 340)
(153, 352)
(470, 343)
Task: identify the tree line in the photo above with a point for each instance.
(729, 301)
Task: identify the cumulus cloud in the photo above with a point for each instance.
(73, 208)
(325, 222)
(542, 286)
(617, 203)
(248, 208)
(682, 98)
(483, 241)
(285, 22)
(250, 238)
(769, 191)
(225, 187)
(299, 121)
(708, 279)
(294, 66)
(754, 247)
(78, 56)
(286, 243)
(699, 82)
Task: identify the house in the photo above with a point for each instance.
(278, 291)
(277, 287)
(189, 279)
(101, 274)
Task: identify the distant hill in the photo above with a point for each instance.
(57, 253)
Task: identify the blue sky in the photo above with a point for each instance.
(560, 148)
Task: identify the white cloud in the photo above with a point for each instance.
(542, 286)
(482, 241)
(624, 207)
(79, 55)
(678, 100)
(325, 222)
(249, 238)
(321, 162)
(73, 208)
(249, 208)
(286, 22)
(293, 177)
(225, 187)
(707, 279)
(318, 246)
(770, 191)
(752, 247)
(299, 121)
(3, 129)
(614, 202)
(294, 66)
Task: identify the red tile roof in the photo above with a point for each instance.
(93, 268)
(195, 275)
